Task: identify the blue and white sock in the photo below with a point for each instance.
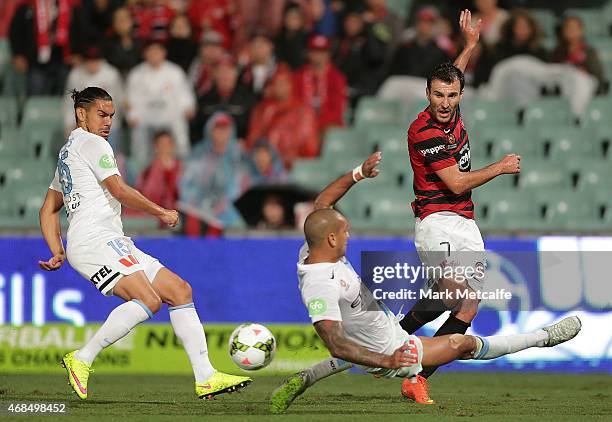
(189, 330)
(495, 346)
(118, 324)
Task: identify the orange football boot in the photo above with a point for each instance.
(418, 391)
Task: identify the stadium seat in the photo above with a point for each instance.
(313, 174)
(546, 19)
(592, 176)
(547, 112)
(539, 175)
(390, 140)
(5, 56)
(43, 109)
(565, 144)
(400, 7)
(339, 141)
(371, 110)
(567, 210)
(388, 208)
(514, 140)
(492, 113)
(598, 111)
(8, 113)
(500, 209)
(45, 139)
(34, 173)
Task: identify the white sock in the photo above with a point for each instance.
(496, 346)
(324, 369)
(119, 322)
(189, 330)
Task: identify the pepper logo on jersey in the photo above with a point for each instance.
(316, 307)
(107, 162)
(433, 150)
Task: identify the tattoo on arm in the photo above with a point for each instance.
(332, 334)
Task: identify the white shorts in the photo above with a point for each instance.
(446, 238)
(401, 337)
(105, 263)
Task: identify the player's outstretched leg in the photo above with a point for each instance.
(142, 303)
(296, 384)
(445, 349)
(188, 328)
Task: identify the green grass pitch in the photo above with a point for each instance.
(461, 396)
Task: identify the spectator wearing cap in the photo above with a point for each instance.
(226, 95)
(213, 15)
(288, 125)
(158, 97)
(151, 19)
(320, 84)
(420, 54)
(182, 49)
(122, 49)
(360, 55)
(95, 71)
(44, 39)
(214, 177)
(261, 66)
(202, 69)
(290, 44)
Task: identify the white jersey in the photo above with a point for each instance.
(94, 215)
(334, 291)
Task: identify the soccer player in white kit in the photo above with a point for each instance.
(88, 184)
(360, 330)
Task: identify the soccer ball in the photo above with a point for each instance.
(252, 346)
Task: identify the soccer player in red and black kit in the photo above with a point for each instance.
(445, 231)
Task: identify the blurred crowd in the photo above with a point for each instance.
(214, 97)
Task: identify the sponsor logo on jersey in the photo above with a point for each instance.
(464, 161)
(317, 307)
(356, 302)
(433, 150)
(107, 162)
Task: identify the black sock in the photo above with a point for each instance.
(452, 325)
(424, 311)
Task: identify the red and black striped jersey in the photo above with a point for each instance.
(433, 146)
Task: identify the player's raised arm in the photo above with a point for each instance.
(51, 229)
(336, 190)
(131, 198)
(471, 35)
(460, 182)
(342, 348)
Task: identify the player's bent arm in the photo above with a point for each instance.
(131, 198)
(342, 348)
(460, 182)
(50, 224)
(339, 187)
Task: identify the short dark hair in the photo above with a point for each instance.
(447, 73)
(161, 133)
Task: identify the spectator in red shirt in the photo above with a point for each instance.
(7, 8)
(321, 85)
(151, 19)
(202, 69)
(257, 15)
(213, 15)
(286, 123)
(159, 181)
